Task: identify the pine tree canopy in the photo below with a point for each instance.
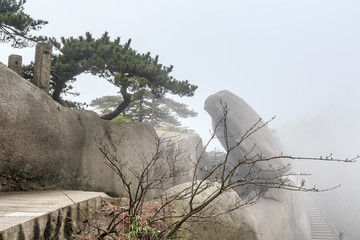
(117, 63)
(16, 26)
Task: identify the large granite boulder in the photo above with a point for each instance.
(279, 214)
(240, 119)
(44, 145)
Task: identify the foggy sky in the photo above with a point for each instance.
(298, 60)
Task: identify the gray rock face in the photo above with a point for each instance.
(44, 145)
(268, 219)
(234, 225)
(279, 214)
(240, 118)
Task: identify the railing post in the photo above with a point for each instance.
(15, 63)
(42, 67)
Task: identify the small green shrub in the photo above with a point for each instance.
(139, 229)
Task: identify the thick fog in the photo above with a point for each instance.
(299, 60)
(333, 130)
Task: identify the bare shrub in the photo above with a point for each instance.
(221, 176)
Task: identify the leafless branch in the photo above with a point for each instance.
(156, 170)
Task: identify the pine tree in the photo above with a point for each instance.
(16, 26)
(163, 113)
(119, 64)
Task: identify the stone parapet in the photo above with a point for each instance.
(15, 63)
(42, 67)
(45, 214)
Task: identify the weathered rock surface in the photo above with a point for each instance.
(44, 145)
(240, 118)
(268, 219)
(234, 225)
(279, 214)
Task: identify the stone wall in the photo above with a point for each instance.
(60, 217)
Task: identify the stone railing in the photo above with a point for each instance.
(42, 66)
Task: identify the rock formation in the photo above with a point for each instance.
(240, 118)
(234, 225)
(277, 209)
(44, 145)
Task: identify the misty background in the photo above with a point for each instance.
(298, 60)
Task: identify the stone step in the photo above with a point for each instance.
(321, 226)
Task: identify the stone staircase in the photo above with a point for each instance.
(321, 226)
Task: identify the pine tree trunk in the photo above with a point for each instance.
(153, 111)
(127, 100)
(60, 85)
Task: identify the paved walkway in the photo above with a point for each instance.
(20, 207)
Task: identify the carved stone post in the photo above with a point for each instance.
(15, 63)
(42, 66)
